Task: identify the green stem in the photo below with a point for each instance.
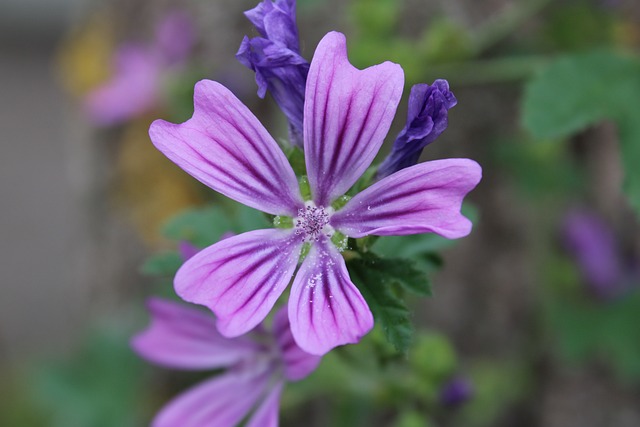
(505, 23)
(487, 70)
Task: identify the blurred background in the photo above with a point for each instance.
(538, 310)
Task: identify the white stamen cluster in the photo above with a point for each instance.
(312, 221)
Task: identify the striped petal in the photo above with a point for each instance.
(221, 402)
(226, 148)
(267, 413)
(325, 308)
(347, 114)
(297, 363)
(240, 278)
(186, 338)
(425, 198)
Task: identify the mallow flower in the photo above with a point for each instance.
(136, 85)
(594, 247)
(347, 113)
(275, 58)
(257, 366)
(427, 118)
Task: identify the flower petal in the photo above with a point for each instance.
(184, 337)
(267, 414)
(347, 114)
(297, 362)
(221, 402)
(419, 199)
(240, 278)
(225, 147)
(325, 308)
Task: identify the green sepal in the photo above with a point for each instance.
(282, 221)
(305, 189)
(340, 202)
(296, 159)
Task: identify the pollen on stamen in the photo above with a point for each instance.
(313, 221)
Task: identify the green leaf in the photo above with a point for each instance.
(163, 264)
(433, 357)
(580, 90)
(387, 307)
(246, 219)
(205, 225)
(200, 226)
(421, 246)
(401, 271)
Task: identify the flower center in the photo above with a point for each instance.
(312, 221)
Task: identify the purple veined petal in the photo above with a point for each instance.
(425, 198)
(186, 338)
(225, 147)
(132, 90)
(240, 278)
(297, 363)
(175, 36)
(325, 308)
(220, 402)
(267, 414)
(347, 113)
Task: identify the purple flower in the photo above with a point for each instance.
(456, 392)
(275, 58)
(427, 118)
(175, 37)
(593, 245)
(135, 87)
(347, 114)
(257, 365)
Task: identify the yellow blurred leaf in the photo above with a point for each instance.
(84, 57)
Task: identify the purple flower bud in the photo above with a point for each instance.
(593, 246)
(275, 58)
(456, 391)
(427, 118)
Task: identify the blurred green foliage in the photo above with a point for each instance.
(586, 331)
(583, 89)
(104, 384)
